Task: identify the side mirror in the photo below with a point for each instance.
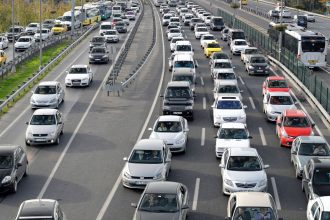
(266, 166)
(125, 159)
(18, 165)
(27, 123)
(185, 207)
(149, 129)
(244, 106)
(162, 96)
(234, 67)
(67, 72)
(250, 137)
(134, 205)
(107, 51)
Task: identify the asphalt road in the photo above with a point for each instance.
(99, 131)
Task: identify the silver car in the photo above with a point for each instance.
(44, 127)
(305, 148)
(149, 161)
(163, 200)
(49, 94)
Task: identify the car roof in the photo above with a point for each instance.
(275, 78)
(321, 162)
(162, 187)
(7, 148)
(178, 83)
(149, 144)
(233, 125)
(260, 199)
(37, 207)
(45, 111)
(256, 55)
(169, 118)
(294, 113)
(183, 56)
(48, 83)
(279, 94)
(243, 151)
(325, 200)
(183, 42)
(312, 139)
(222, 61)
(79, 66)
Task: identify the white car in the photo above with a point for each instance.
(173, 42)
(224, 75)
(237, 46)
(220, 65)
(231, 135)
(32, 28)
(310, 17)
(274, 103)
(166, 19)
(242, 170)
(3, 42)
(173, 130)
(207, 20)
(285, 13)
(207, 38)
(199, 31)
(24, 43)
(111, 36)
(48, 94)
(79, 75)
(149, 161)
(184, 47)
(45, 34)
(318, 208)
(227, 88)
(174, 32)
(228, 109)
(247, 52)
(44, 127)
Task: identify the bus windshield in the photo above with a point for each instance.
(311, 45)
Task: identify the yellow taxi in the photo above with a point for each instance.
(59, 28)
(3, 57)
(211, 47)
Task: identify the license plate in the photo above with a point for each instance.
(140, 183)
(259, 71)
(97, 59)
(177, 113)
(39, 139)
(312, 61)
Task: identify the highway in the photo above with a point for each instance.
(83, 172)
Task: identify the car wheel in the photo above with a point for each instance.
(61, 132)
(14, 186)
(28, 144)
(26, 170)
(57, 142)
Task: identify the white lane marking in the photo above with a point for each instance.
(277, 198)
(202, 81)
(262, 135)
(196, 192)
(252, 103)
(204, 103)
(203, 137)
(117, 183)
(240, 79)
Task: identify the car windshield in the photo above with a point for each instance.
(23, 39)
(281, 100)
(174, 40)
(45, 90)
(220, 56)
(262, 213)
(178, 92)
(277, 84)
(238, 35)
(240, 42)
(16, 30)
(159, 202)
(6, 161)
(314, 149)
(32, 25)
(105, 27)
(98, 50)
(168, 126)
(222, 65)
(43, 120)
(146, 157)
(37, 218)
(98, 39)
(174, 30)
(218, 21)
(201, 29)
(250, 51)
(58, 25)
(228, 76)
(321, 176)
(243, 163)
(213, 45)
(232, 133)
(208, 37)
(228, 89)
(184, 64)
(258, 60)
(229, 104)
(183, 48)
(66, 18)
(77, 70)
(296, 122)
(183, 78)
(325, 215)
(110, 32)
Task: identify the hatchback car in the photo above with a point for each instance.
(48, 94)
(274, 103)
(79, 75)
(99, 55)
(173, 130)
(224, 34)
(291, 124)
(224, 75)
(149, 161)
(44, 127)
(211, 47)
(236, 46)
(111, 36)
(220, 66)
(97, 41)
(163, 200)
(305, 148)
(275, 84)
(13, 166)
(242, 169)
(40, 209)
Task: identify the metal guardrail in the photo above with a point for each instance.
(27, 85)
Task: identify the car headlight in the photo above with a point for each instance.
(84, 79)
(52, 133)
(228, 182)
(90, 57)
(242, 116)
(284, 134)
(262, 183)
(181, 141)
(218, 116)
(127, 175)
(53, 100)
(251, 67)
(6, 179)
(158, 176)
(29, 133)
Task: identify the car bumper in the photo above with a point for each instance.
(112, 40)
(6, 187)
(237, 52)
(21, 48)
(261, 72)
(98, 60)
(76, 84)
(219, 151)
(286, 142)
(218, 122)
(227, 190)
(177, 148)
(43, 105)
(137, 183)
(272, 116)
(40, 140)
(184, 113)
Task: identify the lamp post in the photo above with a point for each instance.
(280, 37)
(72, 17)
(40, 34)
(13, 34)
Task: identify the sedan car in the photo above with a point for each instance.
(39, 209)
(3, 42)
(207, 38)
(274, 103)
(236, 46)
(173, 42)
(13, 167)
(173, 32)
(275, 84)
(99, 55)
(227, 88)
(218, 56)
(24, 43)
(242, 169)
(257, 64)
(310, 17)
(318, 207)
(111, 36)
(199, 31)
(121, 27)
(163, 200)
(44, 127)
(194, 21)
(228, 109)
(231, 135)
(79, 75)
(305, 148)
(173, 130)
(220, 66)
(224, 75)
(59, 28)
(48, 94)
(45, 34)
(32, 28)
(291, 124)
(149, 161)
(224, 34)
(211, 47)
(97, 41)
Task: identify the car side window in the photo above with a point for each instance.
(317, 214)
(314, 207)
(183, 193)
(58, 117)
(232, 205)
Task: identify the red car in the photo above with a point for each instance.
(292, 123)
(275, 84)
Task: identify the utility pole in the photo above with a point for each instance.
(40, 34)
(72, 17)
(281, 32)
(13, 32)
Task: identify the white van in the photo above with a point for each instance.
(183, 46)
(105, 26)
(76, 21)
(116, 9)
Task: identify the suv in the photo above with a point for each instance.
(178, 99)
(24, 43)
(217, 23)
(14, 33)
(32, 28)
(235, 34)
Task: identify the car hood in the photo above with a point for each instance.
(96, 43)
(141, 215)
(145, 170)
(229, 143)
(240, 47)
(98, 54)
(229, 112)
(4, 172)
(22, 43)
(76, 76)
(213, 49)
(294, 131)
(166, 136)
(321, 190)
(43, 98)
(280, 108)
(41, 129)
(245, 176)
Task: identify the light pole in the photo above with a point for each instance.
(280, 37)
(40, 34)
(72, 17)
(257, 9)
(13, 34)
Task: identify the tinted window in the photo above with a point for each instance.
(218, 21)
(45, 90)
(6, 161)
(277, 84)
(229, 104)
(43, 120)
(238, 35)
(168, 126)
(184, 64)
(178, 92)
(220, 56)
(78, 70)
(232, 133)
(258, 60)
(183, 78)
(321, 176)
(226, 76)
(296, 122)
(183, 48)
(159, 202)
(313, 45)
(228, 89)
(243, 163)
(146, 156)
(280, 100)
(223, 65)
(314, 149)
(254, 213)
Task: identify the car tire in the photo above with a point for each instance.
(57, 142)
(61, 133)
(27, 144)
(26, 173)
(14, 186)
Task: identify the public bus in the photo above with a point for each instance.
(91, 14)
(104, 9)
(67, 19)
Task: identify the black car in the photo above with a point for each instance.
(316, 177)
(97, 41)
(13, 166)
(40, 209)
(99, 55)
(302, 20)
(257, 64)
(121, 27)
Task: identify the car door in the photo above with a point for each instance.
(294, 151)
(279, 124)
(264, 86)
(231, 206)
(59, 123)
(184, 200)
(307, 175)
(60, 92)
(185, 127)
(266, 101)
(19, 159)
(223, 162)
(167, 158)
